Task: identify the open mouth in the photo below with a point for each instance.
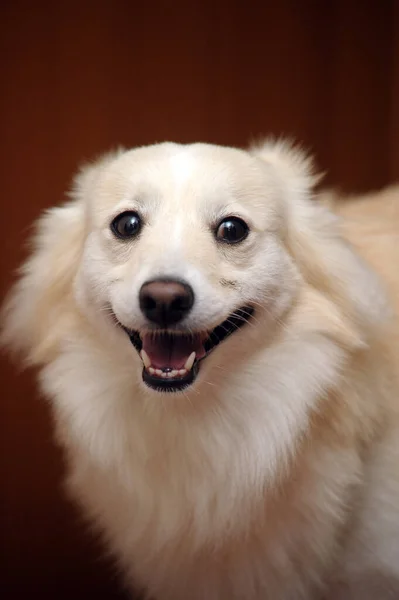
(171, 360)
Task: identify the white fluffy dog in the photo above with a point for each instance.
(221, 352)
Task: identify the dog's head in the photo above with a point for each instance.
(186, 251)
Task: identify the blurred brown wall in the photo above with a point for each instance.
(80, 77)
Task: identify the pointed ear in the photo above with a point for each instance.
(290, 161)
(311, 230)
(313, 234)
(40, 306)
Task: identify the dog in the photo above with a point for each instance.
(220, 344)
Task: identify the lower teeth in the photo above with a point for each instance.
(167, 372)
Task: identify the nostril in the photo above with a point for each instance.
(180, 303)
(148, 303)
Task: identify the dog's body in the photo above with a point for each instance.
(274, 474)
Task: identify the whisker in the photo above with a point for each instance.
(212, 384)
(240, 318)
(264, 307)
(250, 316)
(187, 397)
(223, 369)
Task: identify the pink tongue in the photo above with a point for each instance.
(171, 351)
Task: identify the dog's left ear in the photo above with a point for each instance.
(311, 232)
(313, 236)
(293, 166)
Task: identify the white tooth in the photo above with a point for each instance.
(151, 370)
(169, 375)
(173, 373)
(190, 361)
(158, 372)
(182, 371)
(145, 358)
(165, 375)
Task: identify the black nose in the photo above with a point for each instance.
(165, 301)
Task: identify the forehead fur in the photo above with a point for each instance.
(172, 172)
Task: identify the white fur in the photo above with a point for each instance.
(275, 476)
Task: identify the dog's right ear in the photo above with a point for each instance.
(39, 308)
(36, 310)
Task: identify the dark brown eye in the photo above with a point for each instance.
(126, 225)
(232, 230)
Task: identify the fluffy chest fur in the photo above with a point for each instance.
(209, 504)
(213, 499)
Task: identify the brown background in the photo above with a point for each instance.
(78, 78)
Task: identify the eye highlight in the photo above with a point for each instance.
(126, 225)
(231, 230)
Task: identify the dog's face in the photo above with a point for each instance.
(184, 251)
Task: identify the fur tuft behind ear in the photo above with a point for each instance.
(37, 309)
(40, 306)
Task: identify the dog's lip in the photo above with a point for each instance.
(177, 379)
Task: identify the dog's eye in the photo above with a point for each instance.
(126, 225)
(232, 230)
